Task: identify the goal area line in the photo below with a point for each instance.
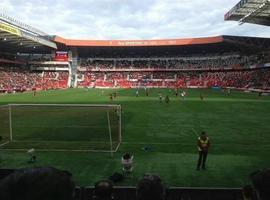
(69, 105)
(37, 145)
(62, 150)
(62, 141)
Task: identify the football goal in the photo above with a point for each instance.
(61, 127)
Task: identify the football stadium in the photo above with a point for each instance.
(121, 110)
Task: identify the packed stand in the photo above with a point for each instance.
(191, 62)
(227, 70)
(19, 79)
(258, 78)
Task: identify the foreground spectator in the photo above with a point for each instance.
(150, 188)
(261, 184)
(103, 190)
(40, 183)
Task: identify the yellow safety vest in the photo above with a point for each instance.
(204, 143)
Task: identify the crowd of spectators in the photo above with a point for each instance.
(228, 70)
(122, 64)
(194, 71)
(256, 78)
(98, 63)
(44, 183)
(192, 62)
(19, 79)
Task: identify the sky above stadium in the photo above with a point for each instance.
(130, 19)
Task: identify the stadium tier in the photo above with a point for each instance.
(256, 79)
(197, 71)
(19, 79)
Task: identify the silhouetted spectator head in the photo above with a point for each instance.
(261, 183)
(150, 188)
(103, 190)
(40, 183)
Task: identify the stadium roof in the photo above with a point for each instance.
(165, 47)
(134, 43)
(18, 37)
(250, 11)
(15, 35)
(247, 41)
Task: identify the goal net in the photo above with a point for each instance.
(61, 127)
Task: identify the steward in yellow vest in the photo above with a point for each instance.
(203, 145)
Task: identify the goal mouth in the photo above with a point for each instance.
(61, 127)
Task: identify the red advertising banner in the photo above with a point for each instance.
(61, 56)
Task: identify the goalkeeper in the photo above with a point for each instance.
(203, 145)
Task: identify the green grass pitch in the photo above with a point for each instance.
(237, 124)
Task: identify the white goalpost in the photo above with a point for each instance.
(4, 125)
(10, 122)
(61, 127)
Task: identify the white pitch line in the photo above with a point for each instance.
(153, 143)
(69, 142)
(61, 150)
(1, 145)
(71, 105)
(117, 148)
